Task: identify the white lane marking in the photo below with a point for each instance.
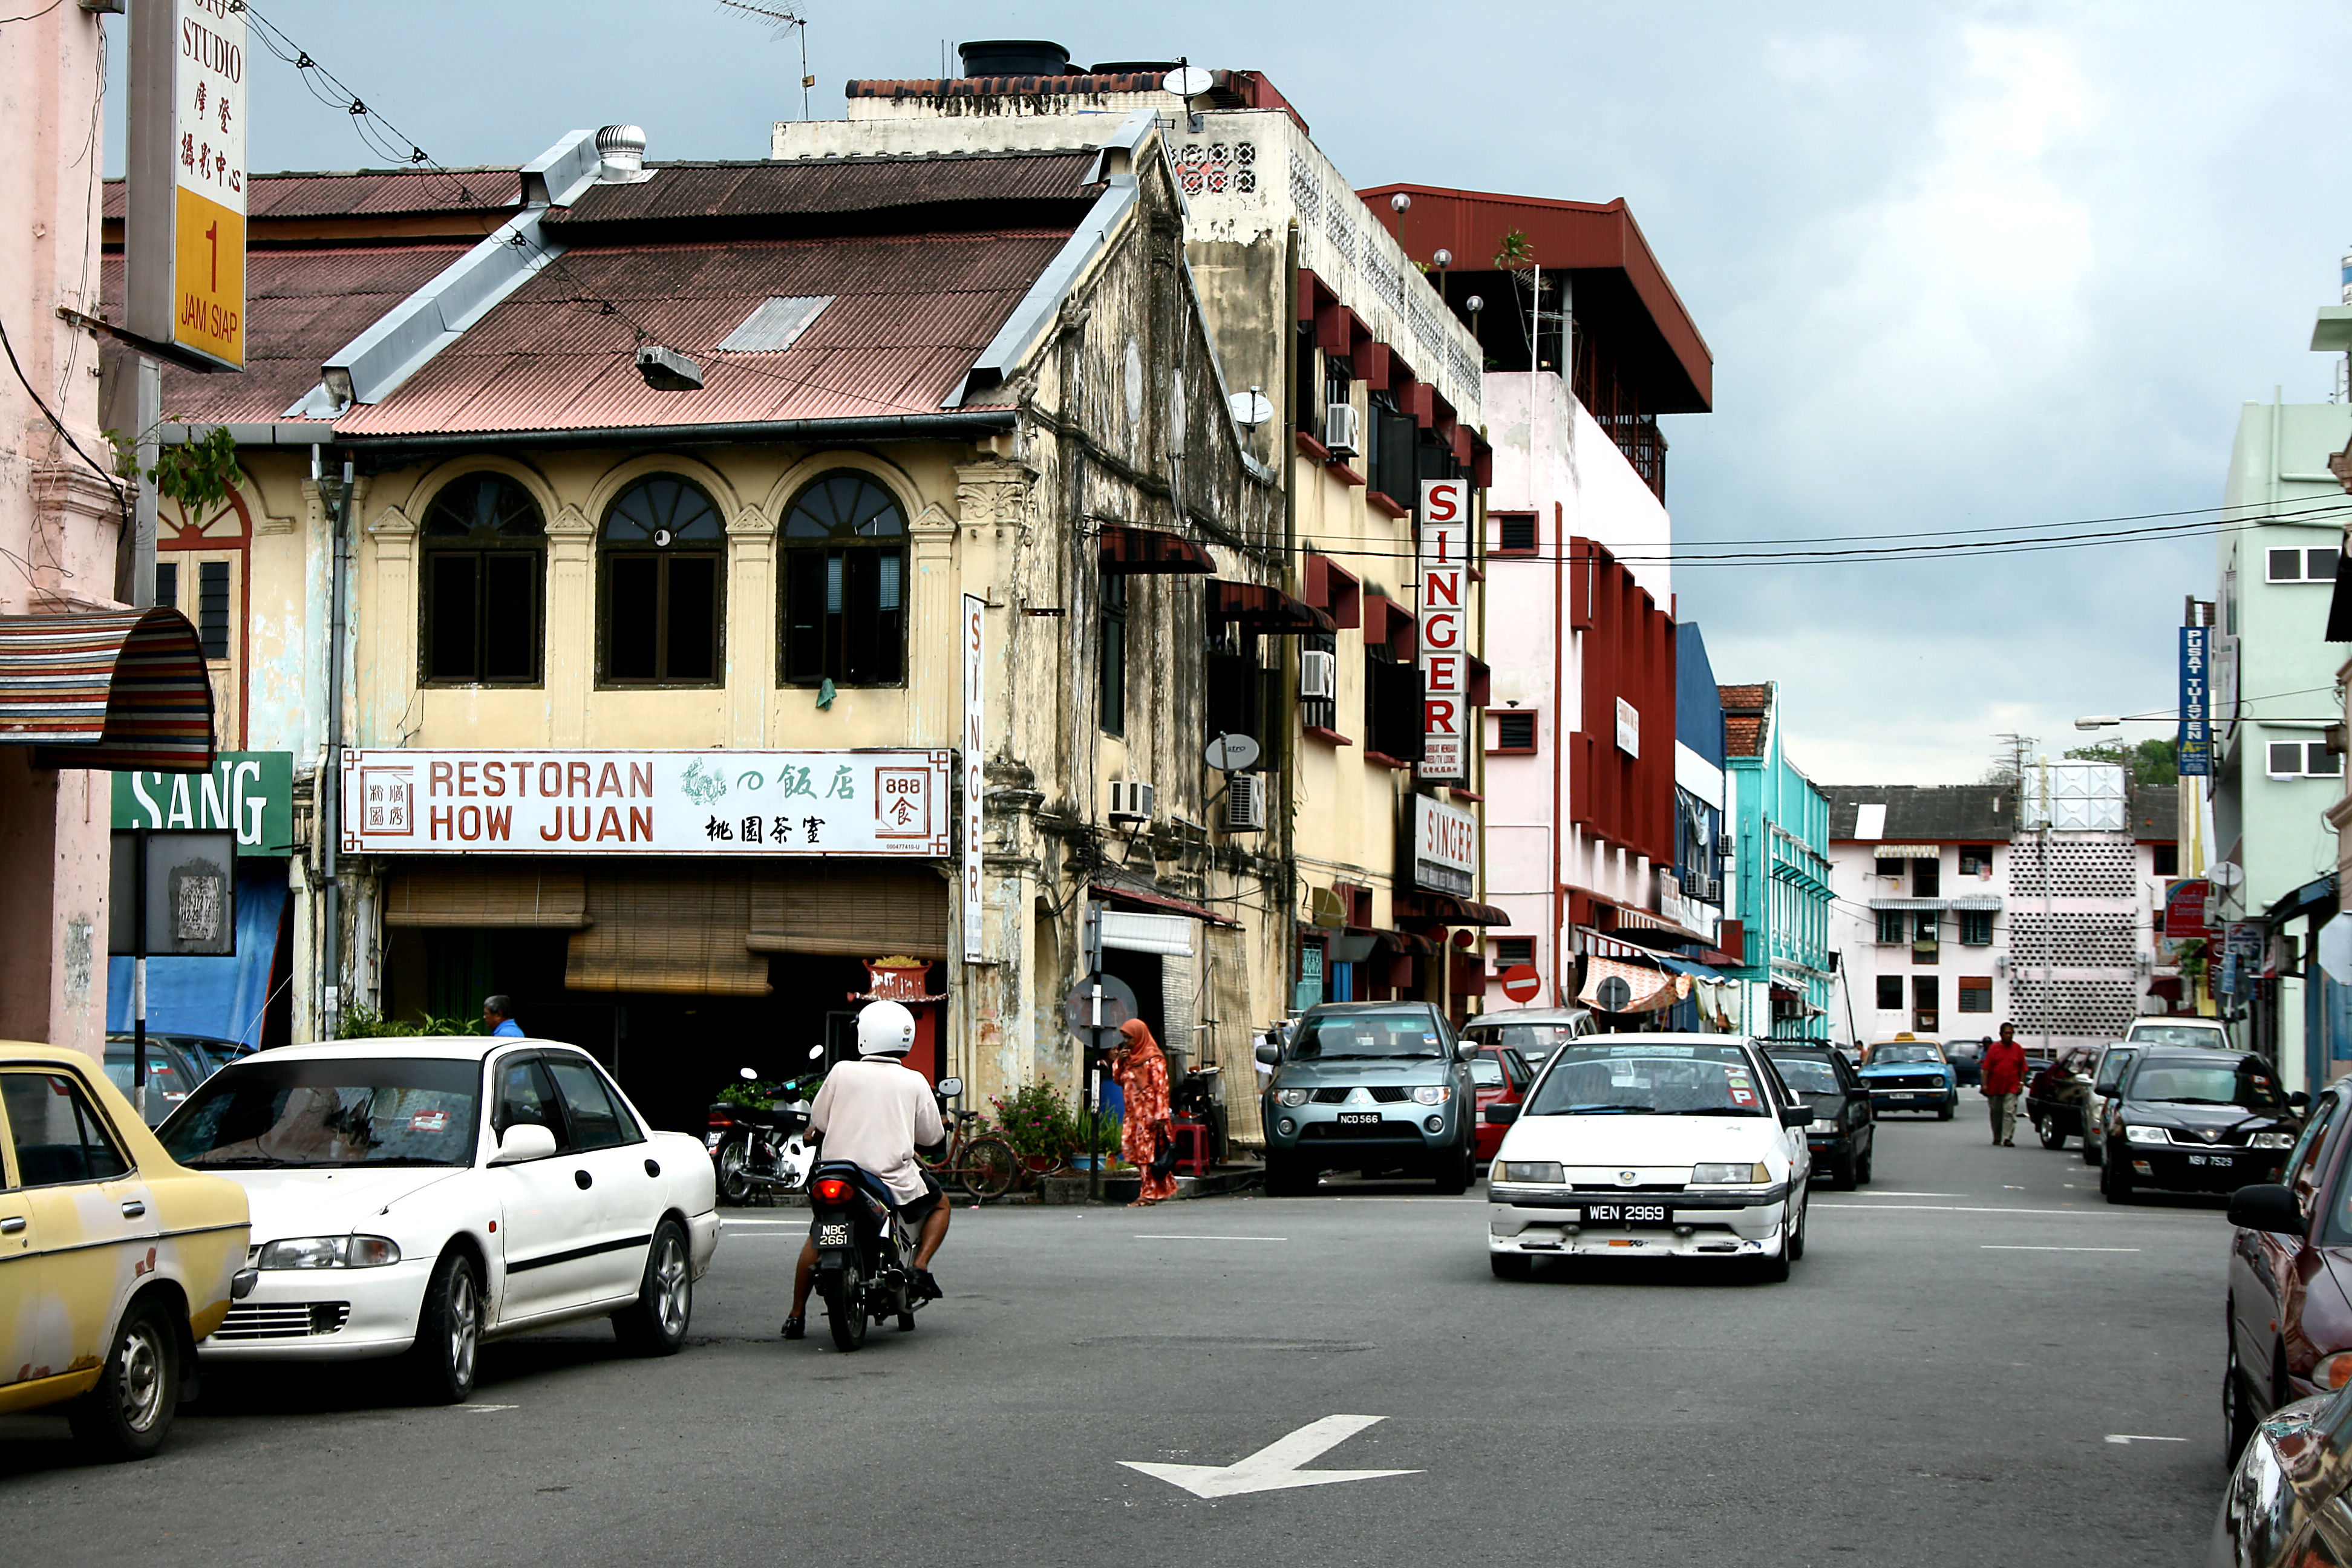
(1934, 1208)
(1273, 1467)
(2130, 1437)
(1157, 1235)
(1994, 1246)
(1911, 1194)
(485, 1409)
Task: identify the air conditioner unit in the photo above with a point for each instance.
(1245, 802)
(1318, 676)
(1343, 434)
(1129, 801)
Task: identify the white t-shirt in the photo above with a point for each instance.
(872, 1113)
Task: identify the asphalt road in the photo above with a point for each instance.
(1944, 1380)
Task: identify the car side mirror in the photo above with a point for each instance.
(2298, 1101)
(1796, 1115)
(1501, 1115)
(1271, 1055)
(949, 1088)
(2266, 1206)
(524, 1140)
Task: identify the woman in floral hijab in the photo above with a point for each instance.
(1141, 1069)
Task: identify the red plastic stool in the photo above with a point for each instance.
(1192, 1147)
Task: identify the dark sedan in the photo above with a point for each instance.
(1842, 1132)
(1967, 1058)
(2055, 1097)
(2195, 1121)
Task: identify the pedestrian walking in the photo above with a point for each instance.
(497, 1012)
(1141, 1068)
(2004, 1079)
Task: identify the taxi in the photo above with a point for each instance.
(114, 1260)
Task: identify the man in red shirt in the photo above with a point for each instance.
(2004, 1079)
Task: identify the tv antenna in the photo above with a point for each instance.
(785, 21)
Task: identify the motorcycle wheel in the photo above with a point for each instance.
(844, 1305)
(734, 1186)
(990, 1168)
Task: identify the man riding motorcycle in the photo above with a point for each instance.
(875, 1112)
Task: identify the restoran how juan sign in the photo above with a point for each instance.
(1444, 649)
(738, 803)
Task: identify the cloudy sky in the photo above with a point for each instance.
(1960, 265)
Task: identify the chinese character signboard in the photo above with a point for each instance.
(186, 164)
(974, 609)
(250, 794)
(646, 802)
(2195, 705)
(1444, 648)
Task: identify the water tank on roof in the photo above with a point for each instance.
(1131, 68)
(1014, 57)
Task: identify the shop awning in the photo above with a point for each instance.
(1447, 909)
(1159, 901)
(1614, 987)
(1633, 925)
(1402, 942)
(1128, 549)
(114, 691)
(1269, 612)
(1696, 971)
(1125, 930)
(1905, 851)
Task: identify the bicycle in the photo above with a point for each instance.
(983, 1164)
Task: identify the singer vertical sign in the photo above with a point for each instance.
(184, 239)
(1444, 626)
(975, 611)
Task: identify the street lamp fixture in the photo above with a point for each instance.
(2097, 722)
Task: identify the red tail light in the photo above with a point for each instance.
(718, 1120)
(833, 1190)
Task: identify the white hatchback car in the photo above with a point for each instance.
(416, 1196)
(1652, 1146)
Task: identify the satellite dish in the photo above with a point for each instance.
(1188, 81)
(1251, 408)
(1231, 754)
(2227, 874)
(1613, 994)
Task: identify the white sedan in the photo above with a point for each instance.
(416, 1196)
(1652, 1146)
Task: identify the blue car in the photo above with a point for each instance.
(1906, 1074)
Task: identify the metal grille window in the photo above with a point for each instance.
(1111, 695)
(1514, 534)
(845, 616)
(1893, 928)
(484, 554)
(212, 607)
(1319, 712)
(167, 585)
(1976, 860)
(1513, 951)
(1976, 927)
(664, 564)
(1515, 732)
(1890, 994)
(1976, 994)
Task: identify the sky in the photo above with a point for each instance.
(1959, 265)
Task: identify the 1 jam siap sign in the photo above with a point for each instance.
(751, 804)
(186, 192)
(1444, 648)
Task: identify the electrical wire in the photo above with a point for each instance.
(33, 15)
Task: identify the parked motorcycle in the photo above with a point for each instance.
(764, 1148)
(1196, 1098)
(865, 1253)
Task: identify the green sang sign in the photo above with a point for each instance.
(250, 794)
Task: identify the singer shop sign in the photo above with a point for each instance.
(1444, 573)
(746, 805)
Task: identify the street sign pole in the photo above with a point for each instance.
(1094, 1091)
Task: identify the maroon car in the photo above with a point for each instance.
(2290, 1302)
(1501, 1076)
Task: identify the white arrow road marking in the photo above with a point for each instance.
(2129, 1437)
(1993, 1247)
(1275, 1465)
(1159, 1235)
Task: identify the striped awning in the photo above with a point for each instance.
(1907, 851)
(113, 690)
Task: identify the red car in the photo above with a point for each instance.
(1501, 1076)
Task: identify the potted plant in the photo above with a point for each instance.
(1036, 1120)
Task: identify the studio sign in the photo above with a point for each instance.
(743, 803)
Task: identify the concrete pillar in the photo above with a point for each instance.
(935, 611)
(571, 625)
(750, 626)
(385, 677)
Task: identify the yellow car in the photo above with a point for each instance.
(114, 1261)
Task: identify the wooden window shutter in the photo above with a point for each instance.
(486, 896)
(668, 933)
(855, 914)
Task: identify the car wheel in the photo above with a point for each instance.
(655, 1323)
(2090, 1150)
(1774, 1270)
(2053, 1136)
(2115, 1181)
(1454, 1177)
(1944, 1111)
(2237, 1410)
(1861, 1165)
(1283, 1178)
(1797, 1237)
(128, 1414)
(448, 1333)
(734, 1186)
(1511, 1265)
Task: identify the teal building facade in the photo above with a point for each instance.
(1778, 885)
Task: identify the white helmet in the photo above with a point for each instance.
(884, 1029)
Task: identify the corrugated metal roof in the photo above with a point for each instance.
(909, 316)
(805, 187)
(300, 306)
(378, 192)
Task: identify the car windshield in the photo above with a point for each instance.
(1806, 1076)
(360, 1111)
(1880, 1056)
(2178, 1082)
(1964, 1048)
(1531, 1040)
(1486, 1072)
(1355, 1035)
(2174, 1034)
(171, 1076)
(1649, 1080)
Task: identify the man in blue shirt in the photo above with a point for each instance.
(497, 1012)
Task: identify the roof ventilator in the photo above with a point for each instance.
(621, 155)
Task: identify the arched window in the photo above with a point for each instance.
(485, 565)
(664, 566)
(844, 612)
